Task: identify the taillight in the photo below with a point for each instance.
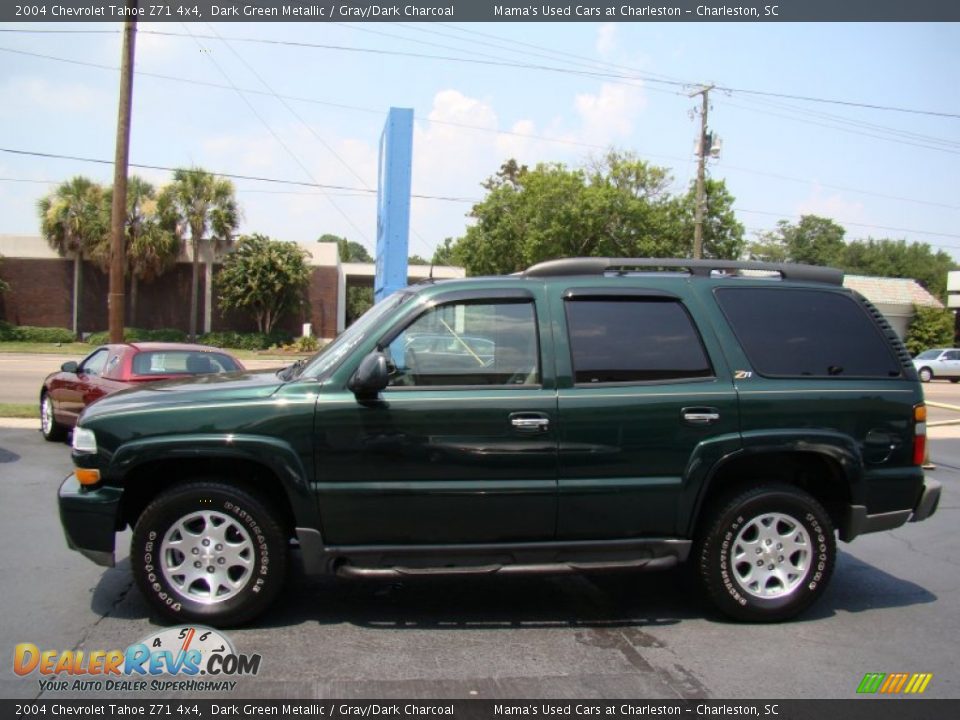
(919, 434)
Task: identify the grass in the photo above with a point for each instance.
(19, 410)
(34, 348)
(78, 350)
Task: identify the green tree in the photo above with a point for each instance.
(930, 328)
(265, 277)
(898, 258)
(444, 253)
(73, 222)
(359, 299)
(722, 233)
(417, 260)
(151, 249)
(814, 240)
(205, 205)
(619, 206)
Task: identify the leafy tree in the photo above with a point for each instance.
(618, 206)
(73, 222)
(151, 249)
(348, 250)
(265, 277)
(930, 328)
(202, 203)
(417, 260)
(722, 233)
(898, 258)
(444, 253)
(814, 240)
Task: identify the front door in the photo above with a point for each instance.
(460, 448)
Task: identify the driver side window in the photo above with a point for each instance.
(467, 344)
(94, 364)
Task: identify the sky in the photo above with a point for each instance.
(307, 103)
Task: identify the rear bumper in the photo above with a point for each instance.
(858, 522)
(89, 519)
(929, 501)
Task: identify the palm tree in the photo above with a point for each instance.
(151, 249)
(199, 201)
(72, 222)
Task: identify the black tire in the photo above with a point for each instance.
(926, 374)
(248, 566)
(737, 539)
(954, 380)
(51, 429)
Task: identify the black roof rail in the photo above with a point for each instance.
(696, 268)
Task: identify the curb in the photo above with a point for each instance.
(20, 423)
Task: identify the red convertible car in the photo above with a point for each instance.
(114, 367)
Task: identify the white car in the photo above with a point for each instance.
(938, 363)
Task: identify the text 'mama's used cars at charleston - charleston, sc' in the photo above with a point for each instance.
(111, 368)
(586, 414)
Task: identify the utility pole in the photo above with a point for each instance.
(700, 210)
(118, 213)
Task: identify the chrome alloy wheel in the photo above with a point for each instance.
(771, 555)
(207, 557)
(46, 415)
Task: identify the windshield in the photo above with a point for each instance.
(929, 354)
(327, 359)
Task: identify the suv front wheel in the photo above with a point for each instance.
(209, 553)
(768, 554)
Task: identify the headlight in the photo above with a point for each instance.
(84, 441)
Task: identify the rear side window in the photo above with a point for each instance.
(633, 340)
(806, 333)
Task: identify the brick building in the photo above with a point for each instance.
(41, 291)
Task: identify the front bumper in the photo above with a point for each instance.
(858, 522)
(89, 519)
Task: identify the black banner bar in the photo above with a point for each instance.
(322, 709)
(485, 11)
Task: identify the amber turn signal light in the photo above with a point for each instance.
(87, 477)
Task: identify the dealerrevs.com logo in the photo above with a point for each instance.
(189, 658)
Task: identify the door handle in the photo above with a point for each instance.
(529, 423)
(700, 415)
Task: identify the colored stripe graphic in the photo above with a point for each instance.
(871, 682)
(894, 683)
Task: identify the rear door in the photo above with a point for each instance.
(645, 399)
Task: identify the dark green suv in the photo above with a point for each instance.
(586, 414)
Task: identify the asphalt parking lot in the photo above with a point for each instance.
(893, 606)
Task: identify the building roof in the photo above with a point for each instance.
(891, 291)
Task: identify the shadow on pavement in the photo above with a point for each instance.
(613, 600)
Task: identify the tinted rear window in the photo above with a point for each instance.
(176, 362)
(633, 340)
(797, 332)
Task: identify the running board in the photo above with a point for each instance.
(661, 563)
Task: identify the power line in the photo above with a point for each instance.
(276, 136)
(855, 224)
(415, 195)
(233, 176)
(478, 128)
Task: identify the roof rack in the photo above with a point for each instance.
(696, 268)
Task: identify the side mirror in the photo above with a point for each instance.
(371, 377)
(70, 367)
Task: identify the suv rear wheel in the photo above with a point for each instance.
(768, 554)
(207, 552)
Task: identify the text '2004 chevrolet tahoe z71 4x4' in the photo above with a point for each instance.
(586, 414)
